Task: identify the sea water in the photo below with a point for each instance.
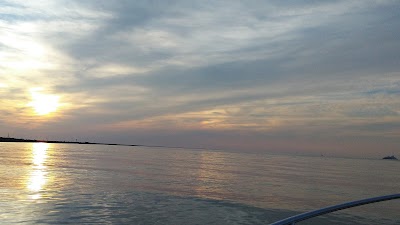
(44, 183)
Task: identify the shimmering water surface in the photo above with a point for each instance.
(59, 183)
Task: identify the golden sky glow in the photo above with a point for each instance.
(43, 104)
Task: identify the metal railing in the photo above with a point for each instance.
(304, 216)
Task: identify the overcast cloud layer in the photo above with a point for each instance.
(297, 76)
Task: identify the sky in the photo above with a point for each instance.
(306, 77)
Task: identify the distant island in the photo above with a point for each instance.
(9, 139)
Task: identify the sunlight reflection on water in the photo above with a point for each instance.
(38, 175)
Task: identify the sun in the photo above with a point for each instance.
(43, 104)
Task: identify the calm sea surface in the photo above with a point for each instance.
(69, 184)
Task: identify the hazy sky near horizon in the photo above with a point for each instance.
(300, 76)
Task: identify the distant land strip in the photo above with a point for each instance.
(9, 139)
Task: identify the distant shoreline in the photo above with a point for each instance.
(21, 140)
(8, 139)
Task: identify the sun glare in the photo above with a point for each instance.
(43, 104)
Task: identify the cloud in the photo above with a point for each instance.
(273, 69)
